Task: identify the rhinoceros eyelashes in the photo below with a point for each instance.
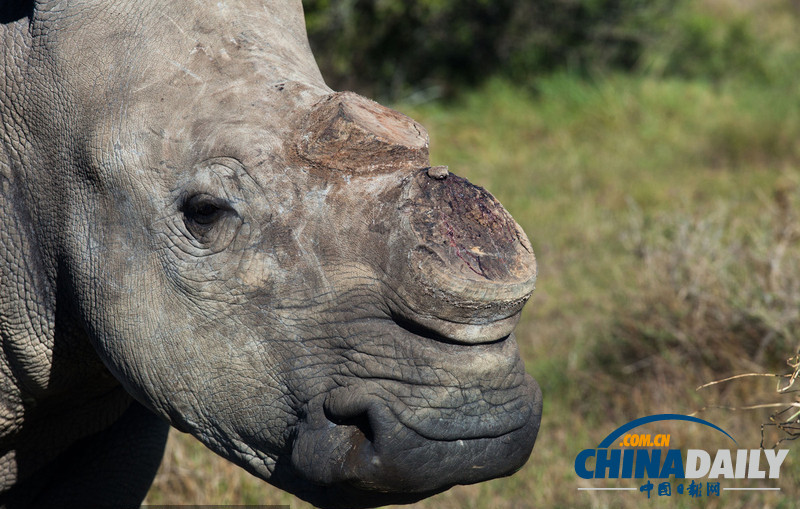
(202, 212)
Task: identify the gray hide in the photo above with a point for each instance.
(196, 231)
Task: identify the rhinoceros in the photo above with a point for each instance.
(196, 231)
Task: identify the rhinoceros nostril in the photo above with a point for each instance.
(346, 406)
(359, 421)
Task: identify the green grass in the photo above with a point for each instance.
(663, 210)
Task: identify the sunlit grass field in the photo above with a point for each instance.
(664, 214)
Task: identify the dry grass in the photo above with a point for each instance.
(191, 474)
(719, 293)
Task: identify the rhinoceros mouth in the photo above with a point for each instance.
(394, 439)
(372, 458)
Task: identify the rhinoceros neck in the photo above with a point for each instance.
(46, 355)
(27, 303)
(48, 369)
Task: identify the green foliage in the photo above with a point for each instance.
(387, 46)
(391, 48)
(703, 45)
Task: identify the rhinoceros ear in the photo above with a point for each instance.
(15, 10)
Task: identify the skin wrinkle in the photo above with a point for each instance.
(366, 371)
(361, 371)
(240, 334)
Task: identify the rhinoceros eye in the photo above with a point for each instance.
(202, 211)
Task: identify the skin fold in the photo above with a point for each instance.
(196, 231)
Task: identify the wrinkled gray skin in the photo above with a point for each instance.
(196, 231)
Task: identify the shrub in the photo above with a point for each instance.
(386, 47)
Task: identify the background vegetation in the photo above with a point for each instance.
(389, 47)
(650, 151)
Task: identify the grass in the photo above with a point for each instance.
(663, 210)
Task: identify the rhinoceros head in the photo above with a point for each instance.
(272, 266)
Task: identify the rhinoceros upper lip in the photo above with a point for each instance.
(461, 399)
(366, 406)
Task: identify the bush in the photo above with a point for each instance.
(701, 45)
(388, 47)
